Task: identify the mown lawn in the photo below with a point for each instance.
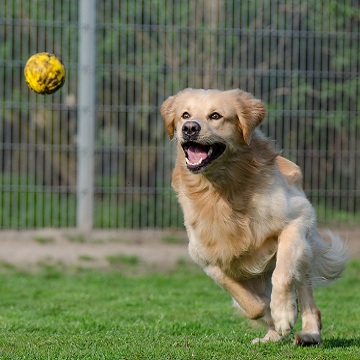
(182, 315)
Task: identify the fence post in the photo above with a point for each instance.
(86, 114)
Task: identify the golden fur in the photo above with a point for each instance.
(249, 223)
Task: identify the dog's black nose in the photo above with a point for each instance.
(191, 129)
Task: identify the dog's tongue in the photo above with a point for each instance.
(197, 153)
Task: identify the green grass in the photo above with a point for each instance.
(121, 259)
(44, 239)
(78, 238)
(97, 315)
(329, 216)
(174, 239)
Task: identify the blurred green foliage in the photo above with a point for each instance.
(300, 57)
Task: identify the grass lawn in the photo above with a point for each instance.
(86, 314)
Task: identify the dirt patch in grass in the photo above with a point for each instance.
(97, 249)
(154, 250)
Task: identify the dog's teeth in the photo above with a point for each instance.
(197, 163)
(193, 164)
(210, 151)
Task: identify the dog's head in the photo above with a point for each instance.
(207, 123)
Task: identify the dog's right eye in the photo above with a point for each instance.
(185, 115)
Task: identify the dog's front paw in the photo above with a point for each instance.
(283, 311)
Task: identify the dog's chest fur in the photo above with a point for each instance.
(222, 233)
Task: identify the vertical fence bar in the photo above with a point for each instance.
(86, 114)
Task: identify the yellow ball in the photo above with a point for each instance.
(44, 73)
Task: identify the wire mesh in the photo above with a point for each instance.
(301, 57)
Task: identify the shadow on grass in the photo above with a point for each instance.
(340, 343)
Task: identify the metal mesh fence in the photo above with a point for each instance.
(302, 58)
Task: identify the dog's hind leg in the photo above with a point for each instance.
(311, 317)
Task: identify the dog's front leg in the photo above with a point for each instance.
(292, 262)
(252, 300)
(252, 304)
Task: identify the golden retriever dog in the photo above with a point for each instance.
(249, 223)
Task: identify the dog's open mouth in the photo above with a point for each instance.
(199, 156)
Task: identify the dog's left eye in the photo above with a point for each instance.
(215, 116)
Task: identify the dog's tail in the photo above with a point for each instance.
(330, 261)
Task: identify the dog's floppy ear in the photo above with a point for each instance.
(168, 114)
(251, 113)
